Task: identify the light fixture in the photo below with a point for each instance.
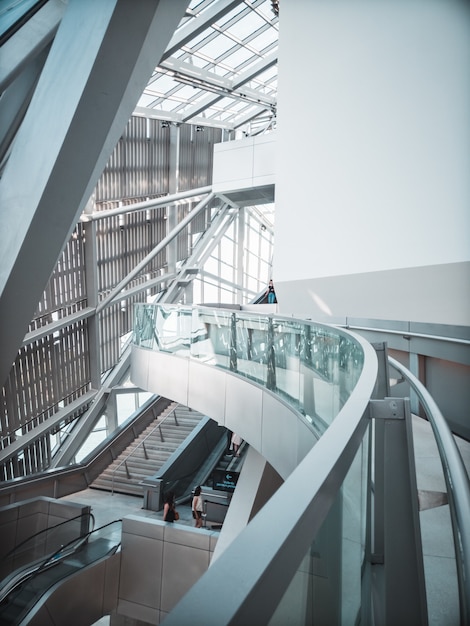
(165, 124)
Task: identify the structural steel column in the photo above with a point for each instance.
(403, 588)
(242, 263)
(172, 210)
(91, 273)
(99, 63)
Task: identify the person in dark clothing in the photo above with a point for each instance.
(270, 293)
(169, 507)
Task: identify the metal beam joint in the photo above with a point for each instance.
(388, 408)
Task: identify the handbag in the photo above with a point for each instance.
(177, 516)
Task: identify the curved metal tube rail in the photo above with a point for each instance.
(457, 482)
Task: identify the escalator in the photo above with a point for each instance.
(204, 455)
(206, 450)
(31, 587)
(22, 561)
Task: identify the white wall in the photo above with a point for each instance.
(244, 164)
(374, 159)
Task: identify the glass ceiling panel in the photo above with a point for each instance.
(185, 93)
(145, 100)
(236, 15)
(263, 40)
(197, 62)
(162, 83)
(245, 26)
(215, 47)
(240, 56)
(226, 49)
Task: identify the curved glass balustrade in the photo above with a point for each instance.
(311, 366)
(328, 375)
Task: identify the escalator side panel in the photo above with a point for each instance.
(83, 598)
(35, 591)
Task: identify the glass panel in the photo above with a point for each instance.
(235, 40)
(238, 57)
(314, 368)
(327, 586)
(246, 25)
(33, 550)
(263, 40)
(215, 47)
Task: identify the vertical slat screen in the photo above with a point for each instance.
(51, 372)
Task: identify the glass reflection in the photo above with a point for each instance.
(327, 586)
(313, 367)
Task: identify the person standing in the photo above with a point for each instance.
(270, 293)
(236, 442)
(197, 507)
(169, 511)
(229, 442)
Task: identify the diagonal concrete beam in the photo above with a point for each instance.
(100, 61)
(31, 39)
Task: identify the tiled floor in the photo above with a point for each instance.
(435, 523)
(436, 531)
(107, 507)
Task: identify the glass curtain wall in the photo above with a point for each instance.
(223, 279)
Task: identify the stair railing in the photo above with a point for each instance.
(142, 444)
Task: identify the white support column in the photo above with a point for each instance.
(172, 211)
(98, 66)
(241, 253)
(91, 273)
(256, 484)
(414, 369)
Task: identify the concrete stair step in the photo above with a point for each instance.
(114, 477)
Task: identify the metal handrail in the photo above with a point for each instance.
(49, 529)
(457, 482)
(406, 333)
(305, 499)
(142, 443)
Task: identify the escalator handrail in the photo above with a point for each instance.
(52, 559)
(457, 482)
(32, 569)
(45, 530)
(85, 537)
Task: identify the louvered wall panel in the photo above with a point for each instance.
(139, 165)
(46, 374)
(196, 163)
(197, 150)
(55, 370)
(65, 292)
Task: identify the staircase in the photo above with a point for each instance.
(144, 456)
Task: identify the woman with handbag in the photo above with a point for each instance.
(197, 507)
(170, 514)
